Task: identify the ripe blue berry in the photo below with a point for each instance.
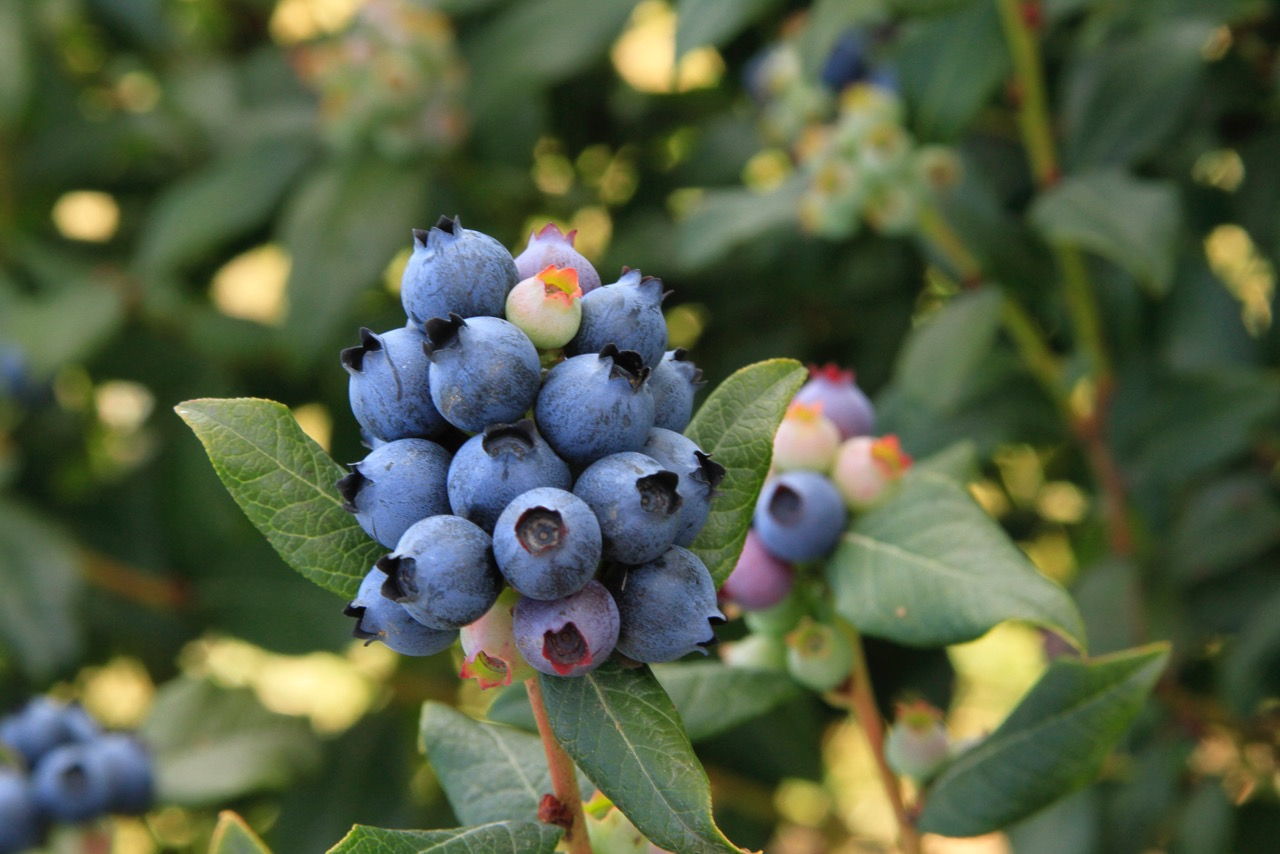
(847, 62)
(594, 405)
(397, 484)
(799, 515)
(819, 655)
(668, 607)
(569, 636)
(19, 815)
(674, 382)
(43, 724)
(627, 314)
(637, 503)
(454, 270)
(494, 467)
(843, 403)
(549, 245)
(547, 543)
(442, 572)
(389, 391)
(699, 477)
(483, 370)
(378, 618)
(72, 783)
(759, 580)
(129, 773)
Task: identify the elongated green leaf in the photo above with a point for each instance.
(1129, 221)
(725, 219)
(284, 482)
(736, 426)
(233, 836)
(489, 772)
(714, 22)
(1053, 743)
(621, 729)
(499, 837)
(40, 577)
(941, 356)
(929, 567)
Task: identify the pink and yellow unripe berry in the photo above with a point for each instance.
(806, 439)
(917, 744)
(547, 307)
(866, 467)
(489, 648)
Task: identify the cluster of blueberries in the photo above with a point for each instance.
(57, 765)
(571, 481)
(826, 464)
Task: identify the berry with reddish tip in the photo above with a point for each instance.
(389, 388)
(454, 270)
(504, 461)
(799, 515)
(547, 543)
(569, 636)
(489, 653)
(917, 745)
(842, 401)
(674, 382)
(547, 307)
(379, 618)
(805, 439)
(397, 484)
(549, 245)
(594, 405)
(637, 503)
(442, 572)
(627, 314)
(668, 607)
(866, 468)
(759, 580)
(819, 655)
(484, 370)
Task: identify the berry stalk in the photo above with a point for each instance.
(563, 777)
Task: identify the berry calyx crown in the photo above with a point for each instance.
(560, 283)
(552, 232)
(887, 453)
(832, 373)
(353, 357)
(445, 229)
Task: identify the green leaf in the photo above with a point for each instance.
(1053, 743)
(341, 230)
(735, 426)
(714, 22)
(727, 218)
(213, 744)
(621, 729)
(499, 837)
(284, 482)
(826, 21)
(233, 836)
(40, 577)
(489, 772)
(1123, 99)
(17, 61)
(928, 567)
(62, 327)
(1130, 221)
(941, 356)
(192, 217)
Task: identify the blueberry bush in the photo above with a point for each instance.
(693, 426)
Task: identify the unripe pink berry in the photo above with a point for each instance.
(843, 403)
(547, 307)
(806, 439)
(489, 649)
(551, 246)
(917, 744)
(866, 467)
(759, 580)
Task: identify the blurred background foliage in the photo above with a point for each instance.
(207, 197)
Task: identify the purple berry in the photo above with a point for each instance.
(799, 516)
(699, 476)
(842, 401)
(494, 467)
(569, 636)
(668, 607)
(547, 543)
(637, 503)
(389, 390)
(397, 484)
(674, 382)
(549, 245)
(442, 572)
(627, 314)
(454, 270)
(378, 618)
(483, 371)
(759, 580)
(594, 405)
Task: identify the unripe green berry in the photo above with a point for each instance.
(917, 744)
(547, 307)
(819, 655)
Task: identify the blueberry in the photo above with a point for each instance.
(628, 314)
(847, 62)
(866, 468)
(819, 655)
(129, 773)
(699, 477)
(668, 607)
(547, 306)
(759, 580)
(594, 405)
(806, 439)
(547, 543)
(799, 515)
(483, 370)
(569, 636)
(454, 270)
(842, 401)
(72, 783)
(43, 724)
(637, 503)
(917, 745)
(549, 245)
(397, 484)
(494, 467)
(378, 618)
(674, 382)
(442, 571)
(389, 390)
(489, 653)
(19, 815)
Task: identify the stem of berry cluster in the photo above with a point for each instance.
(564, 779)
(863, 698)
